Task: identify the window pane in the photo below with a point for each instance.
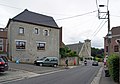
(21, 30)
(46, 32)
(40, 46)
(36, 31)
(20, 44)
(1, 41)
(116, 48)
(1, 47)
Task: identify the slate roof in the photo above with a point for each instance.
(75, 47)
(35, 18)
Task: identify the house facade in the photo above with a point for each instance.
(31, 36)
(82, 49)
(115, 41)
(3, 41)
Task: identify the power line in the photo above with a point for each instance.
(76, 15)
(11, 6)
(97, 4)
(98, 26)
(99, 29)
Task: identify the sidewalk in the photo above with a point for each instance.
(100, 77)
(106, 80)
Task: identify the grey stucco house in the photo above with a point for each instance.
(32, 35)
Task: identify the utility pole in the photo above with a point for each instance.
(109, 32)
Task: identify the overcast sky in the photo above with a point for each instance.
(78, 18)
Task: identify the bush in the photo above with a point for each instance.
(113, 66)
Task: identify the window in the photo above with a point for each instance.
(46, 32)
(36, 30)
(40, 46)
(1, 44)
(21, 30)
(116, 48)
(106, 48)
(20, 44)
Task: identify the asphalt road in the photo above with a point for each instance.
(32, 68)
(78, 75)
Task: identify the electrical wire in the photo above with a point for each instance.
(99, 30)
(97, 5)
(107, 4)
(11, 6)
(76, 15)
(98, 26)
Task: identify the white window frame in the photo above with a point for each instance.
(19, 43)
(46, 33)
(36, 32)
(2, 47)
(1, 44)
(21, 30)
(39, 43)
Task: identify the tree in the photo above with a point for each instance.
(95, 52)
(66, 52)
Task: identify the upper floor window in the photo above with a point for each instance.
(1, 44)
(106, 48)
(21, 30)
(20, 44)
(36, 30)
(116, 48)
(46, 32)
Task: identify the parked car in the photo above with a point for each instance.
(47, 61)
(95, 63)
(3, 64)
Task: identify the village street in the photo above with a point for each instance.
(31, 74)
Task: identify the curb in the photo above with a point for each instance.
(96, 80)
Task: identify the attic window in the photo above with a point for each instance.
(21, 30)
(46, 33)
(36, 30)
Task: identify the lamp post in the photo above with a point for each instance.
(109, 32)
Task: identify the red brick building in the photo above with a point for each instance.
(115, 41)
(3, 41)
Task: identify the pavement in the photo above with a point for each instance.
(100, 77)
(106, 80)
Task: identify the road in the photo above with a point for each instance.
(32, 68)
(79, 75)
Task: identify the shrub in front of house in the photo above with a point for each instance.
(113, 66)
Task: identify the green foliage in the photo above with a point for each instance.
(66, 52)
(113, 66)
(95, 52)
(97, 59)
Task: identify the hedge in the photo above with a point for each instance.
(113, 66)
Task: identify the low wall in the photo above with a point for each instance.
(71, 61)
